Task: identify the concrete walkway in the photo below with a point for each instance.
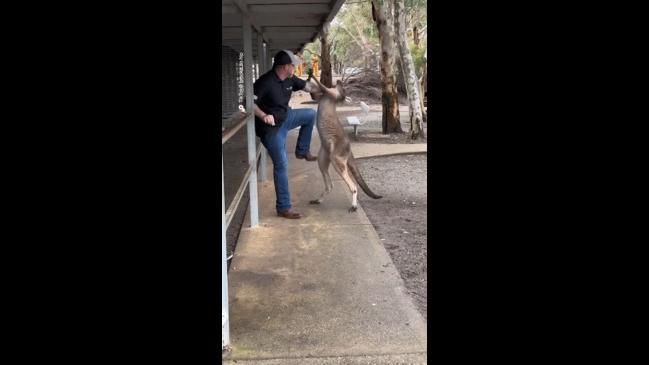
(321, 289)
(364, 150)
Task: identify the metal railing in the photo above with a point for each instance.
(240, 119)
(249, 180)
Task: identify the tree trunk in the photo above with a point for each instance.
(382, 16)
(325, 75)
(415, 36)
(422, 90)
(409, 74)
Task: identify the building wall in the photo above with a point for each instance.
(232, 88)
(229, 80)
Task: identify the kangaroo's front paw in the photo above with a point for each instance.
(314, 201)
(352, 209)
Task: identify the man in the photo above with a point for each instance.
(274, 118)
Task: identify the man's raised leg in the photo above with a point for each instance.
(305, 119)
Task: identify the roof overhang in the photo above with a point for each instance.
(282, 24)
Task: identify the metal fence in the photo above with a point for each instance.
(255, 154)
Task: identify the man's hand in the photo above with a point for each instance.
(268, 119)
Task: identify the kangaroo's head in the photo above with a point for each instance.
(319, 91)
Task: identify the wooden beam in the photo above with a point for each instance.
(334, 10)
(290, 29)
(335, 7)
(231, 20)
(268, 2)
(289, 35)
(231, 33)
(290, 8)
(229, 9)
(278, 20)
(278, 44)
(245, 12)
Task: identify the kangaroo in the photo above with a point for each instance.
(335, 146)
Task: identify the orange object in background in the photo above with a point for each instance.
(314, 66)
(299, 69)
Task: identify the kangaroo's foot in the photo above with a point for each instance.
(352, 209)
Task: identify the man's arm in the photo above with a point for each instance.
(309, 86)
(267, 118)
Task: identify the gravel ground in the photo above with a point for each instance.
(401, 180)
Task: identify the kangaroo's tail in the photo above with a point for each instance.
(359, 179)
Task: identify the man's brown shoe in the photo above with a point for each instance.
(308, 156)
(289, 214)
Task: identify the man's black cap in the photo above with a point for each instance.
(285, 57)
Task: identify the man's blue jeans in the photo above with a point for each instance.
(275, 143)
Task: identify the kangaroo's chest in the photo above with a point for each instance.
(328, 125)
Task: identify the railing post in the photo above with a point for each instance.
(252, 143)
(225, 313)
(261, 58)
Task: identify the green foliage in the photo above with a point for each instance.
(353, 27)
(312, 49)
(417, 54)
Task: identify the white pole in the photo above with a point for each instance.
(225, 314)
(261, 58)
(252, 143)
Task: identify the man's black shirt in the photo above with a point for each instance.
(273, 95)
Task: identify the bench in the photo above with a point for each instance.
(355, 122)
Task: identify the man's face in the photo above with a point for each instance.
(286, 71)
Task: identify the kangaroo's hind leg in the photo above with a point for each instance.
(340, 164)
(323, 164)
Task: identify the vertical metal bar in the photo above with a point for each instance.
(261, 58)
(225, 313)
(252, 154)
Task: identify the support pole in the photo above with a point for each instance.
(252, 154)
(261, 58)
(225, 313)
